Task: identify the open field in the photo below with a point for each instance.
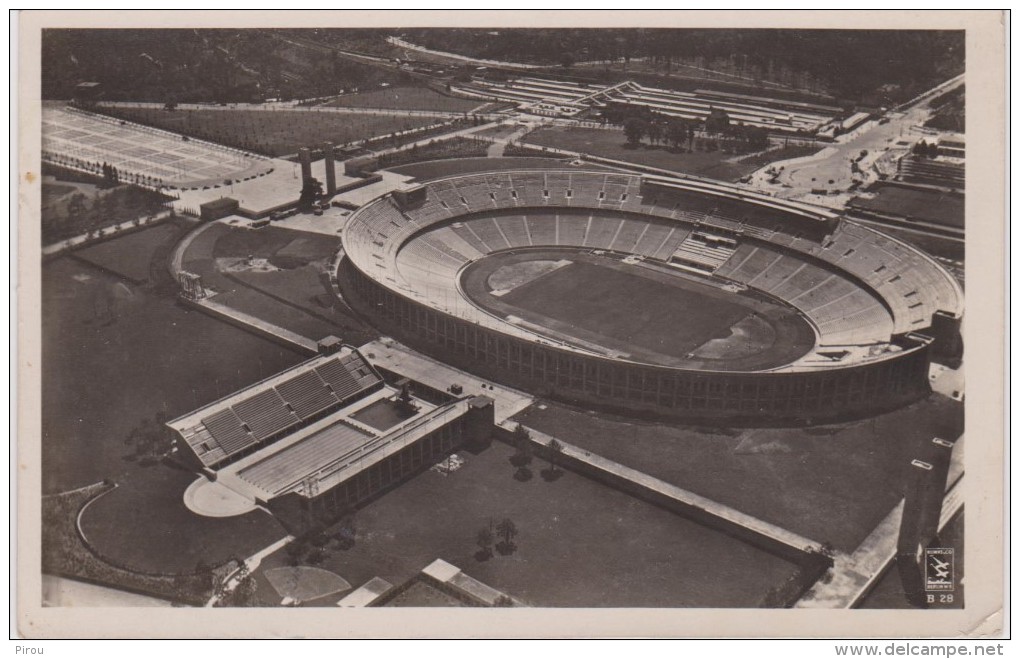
(273, 132)
(131, 255)
(104, 373)
(830, 484)
(144, 525)
(922, 205)
(579, 544)
(612, 144)
(406, 98)
(628, 307)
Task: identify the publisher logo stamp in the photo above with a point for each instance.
(938, 568)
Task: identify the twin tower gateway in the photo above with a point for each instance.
(305, 158)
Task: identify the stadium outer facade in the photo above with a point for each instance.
(864, 361)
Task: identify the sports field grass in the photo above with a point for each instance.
(406, 98)
(628, 308)
(921, 205)
(652, 314)
(612, 144)
(131, 255)
(580, 543)
(273, 132)
(832, 483)
(103, 375)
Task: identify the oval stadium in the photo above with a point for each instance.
(643, 294)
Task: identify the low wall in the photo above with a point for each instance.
(279, 335)
(796, 550)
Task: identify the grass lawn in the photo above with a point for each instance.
(580, 543)
(99, 208)
(131, 255)
(628, 307)
(425, 171)
(53, 191)
(503, 130)
(273, 132)
(144, 525)
(406, 98)
(294, 297)
(922, 205)
(833, 483)
(775, 155)
(612, 144)
(101, 376)
(284, 247)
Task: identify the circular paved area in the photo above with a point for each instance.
(210, 499)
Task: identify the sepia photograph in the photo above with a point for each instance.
(334, 313)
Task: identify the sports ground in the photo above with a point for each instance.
(643, 313)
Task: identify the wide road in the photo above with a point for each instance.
(831, 171)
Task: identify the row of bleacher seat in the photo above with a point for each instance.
(273, 410)
(823, 295)
(912, 285)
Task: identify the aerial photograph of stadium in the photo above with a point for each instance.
(502, 317)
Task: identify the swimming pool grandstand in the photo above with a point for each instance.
(235, 426)
(296, 442)
(565, 98)
(870, 299)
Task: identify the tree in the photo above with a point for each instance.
(634, 129)
(484, 540)
(507, 531)
(555, 449)
(655, 132)
(718, 121)
(311, 191)
(676, 132)
(522, 442)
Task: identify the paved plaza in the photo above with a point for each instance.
(156, 156)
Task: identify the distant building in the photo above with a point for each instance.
(952, 145)
(218, 208)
